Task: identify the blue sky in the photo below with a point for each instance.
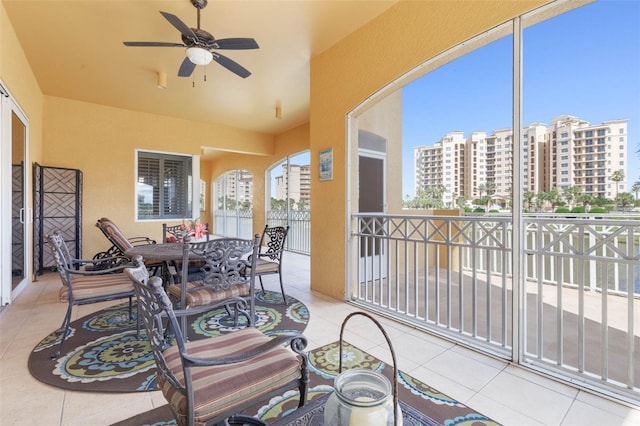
(584, 63)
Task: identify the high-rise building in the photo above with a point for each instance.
(296, 179)
(568, 152)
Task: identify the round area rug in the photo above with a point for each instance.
(104, 353)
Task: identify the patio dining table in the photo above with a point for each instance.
(167, 253)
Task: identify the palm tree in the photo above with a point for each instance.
(617, 177)
(528, 197)
(571, 193)
(553, 197)
(636, 188)
(541, 197)
(624, 199)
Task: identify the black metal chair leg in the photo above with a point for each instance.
(64, 329)
(284, 296)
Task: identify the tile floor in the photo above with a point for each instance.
(508, 394)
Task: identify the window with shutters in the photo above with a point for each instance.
(164, 186)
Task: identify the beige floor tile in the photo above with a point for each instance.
(583, 414)
(463, 369)
(502, 413)
(442, 383)
(103, 408)
(528, 398)
(417, 349)
(612, 407)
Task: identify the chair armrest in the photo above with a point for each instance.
(122, 262)
(137, 241)
(297, 341)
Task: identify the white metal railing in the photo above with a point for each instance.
(239, 223)
(299, 221)
(452, 276)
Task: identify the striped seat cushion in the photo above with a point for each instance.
(85, 287)
(198, 294)
(218, 389)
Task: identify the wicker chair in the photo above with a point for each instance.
(270, 261)
(209, 381)
(81, 287)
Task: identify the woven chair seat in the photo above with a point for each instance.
(198, 294)
(217, 389)
(89, 287)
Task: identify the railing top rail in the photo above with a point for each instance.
(558, 219)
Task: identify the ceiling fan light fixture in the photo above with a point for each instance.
(199, 56)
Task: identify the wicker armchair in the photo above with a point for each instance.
(83, 286)
(269, 261)
(209, 381)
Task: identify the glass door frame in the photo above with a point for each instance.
(8, 108)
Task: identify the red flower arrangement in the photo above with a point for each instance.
(192, 228)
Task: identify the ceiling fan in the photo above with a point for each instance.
(201, 45)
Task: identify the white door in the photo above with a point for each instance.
(15, 214)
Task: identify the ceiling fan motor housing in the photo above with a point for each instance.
(203, 39)
(199, 4)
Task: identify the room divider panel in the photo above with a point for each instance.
(57, 204)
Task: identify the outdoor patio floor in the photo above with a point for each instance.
(509, 394)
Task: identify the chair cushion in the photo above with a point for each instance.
(266, 266)
(115, 234)
(199, 294)
(218, 389)
(85, 287)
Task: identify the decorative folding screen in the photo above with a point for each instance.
(57, 204)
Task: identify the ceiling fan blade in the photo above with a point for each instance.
(235, 43)
(231, 65)
(180, 26)
(186, 68)
(152, 44)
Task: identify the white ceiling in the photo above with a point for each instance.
(75, 50)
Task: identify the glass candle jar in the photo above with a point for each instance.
(361, 398)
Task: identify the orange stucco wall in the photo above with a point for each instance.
(101, 140)
(343, 76)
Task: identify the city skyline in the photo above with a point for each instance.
(583, 63)
(587, 157)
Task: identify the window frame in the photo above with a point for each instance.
(193, 191)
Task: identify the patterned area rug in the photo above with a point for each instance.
(434, 406)
(103, 352)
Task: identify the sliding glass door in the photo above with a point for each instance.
(15, 214)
